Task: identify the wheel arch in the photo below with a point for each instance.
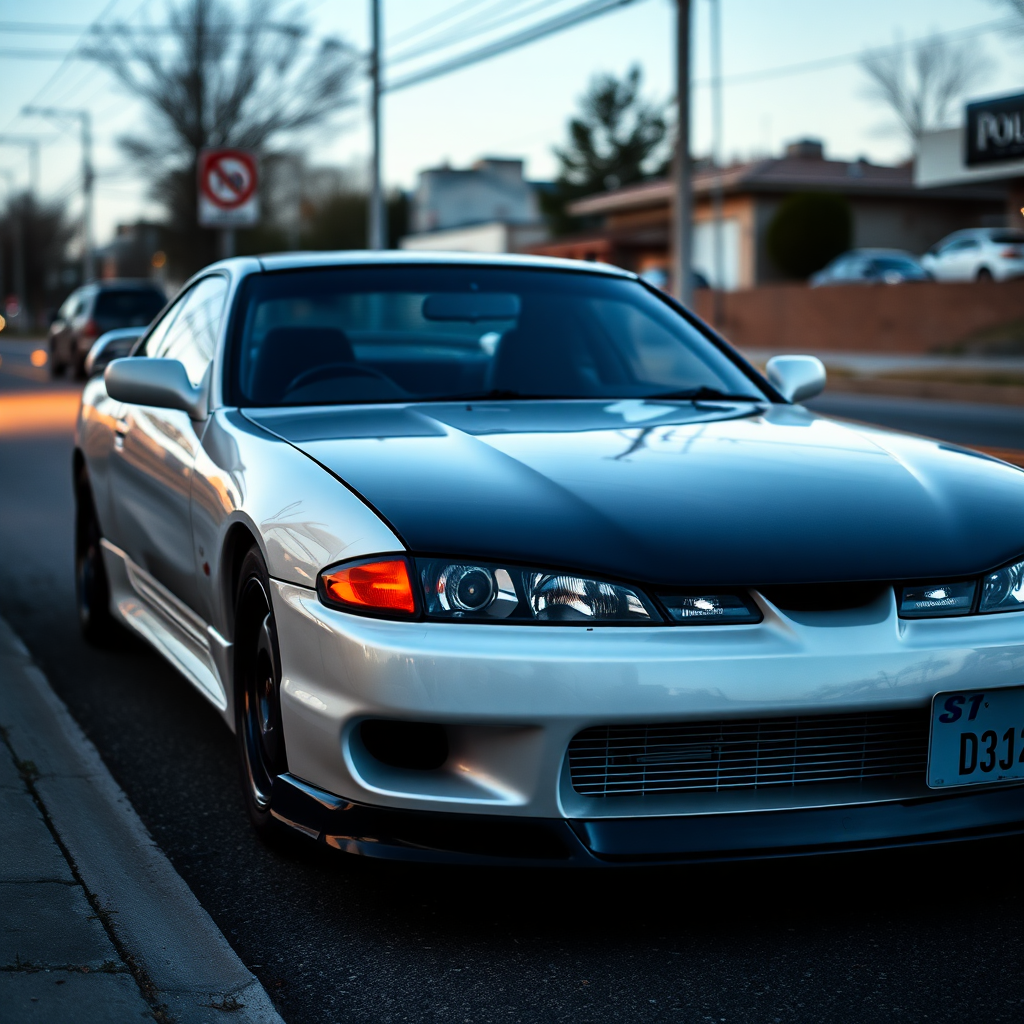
(238, 541)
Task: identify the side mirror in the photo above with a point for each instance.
(108, 347)
(159, 382)
(796, 377)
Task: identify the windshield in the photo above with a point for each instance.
(398, 334)
(897, 263)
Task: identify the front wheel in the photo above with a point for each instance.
(258, 695)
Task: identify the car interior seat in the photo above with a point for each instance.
(543, 354)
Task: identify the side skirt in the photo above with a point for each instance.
(182, 637)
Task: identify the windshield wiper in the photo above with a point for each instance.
(703, 392)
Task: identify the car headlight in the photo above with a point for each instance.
(486, 592)
(1003, 591)
(937, 599)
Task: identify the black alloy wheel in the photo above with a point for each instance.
(92, 591)
(985, 275)
(258, 695)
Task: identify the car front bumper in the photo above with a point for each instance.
(512, 697)
(496, 840)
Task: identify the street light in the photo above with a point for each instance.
(84, 119)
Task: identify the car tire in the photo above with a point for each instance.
(57, 367)
(92, 590)
(258, 727)
(984, 274)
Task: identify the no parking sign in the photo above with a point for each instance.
(228, 195)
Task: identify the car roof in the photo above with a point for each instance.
(126, 283)
(881, 252)
(402, 257)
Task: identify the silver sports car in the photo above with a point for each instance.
(513, 560)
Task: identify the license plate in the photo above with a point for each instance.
(977, 736)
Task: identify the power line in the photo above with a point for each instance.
(64, 63)
(436, 19)
(545, 28)
(824, 63)
(12, 53)
(487, 22)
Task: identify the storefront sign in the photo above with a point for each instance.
(995, 130)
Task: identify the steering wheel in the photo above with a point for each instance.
(319, 373)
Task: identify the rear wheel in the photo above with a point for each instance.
(258, 695)
(57, 365)
(92, 590)
(984, 274)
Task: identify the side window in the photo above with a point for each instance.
(192, 337)
(70, 307)
(156, 341)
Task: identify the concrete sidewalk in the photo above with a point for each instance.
(95, 924)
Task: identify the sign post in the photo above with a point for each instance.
(228, 193)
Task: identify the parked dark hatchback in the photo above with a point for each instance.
(95, 309)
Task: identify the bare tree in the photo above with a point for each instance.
(921, 82)
(220, 76)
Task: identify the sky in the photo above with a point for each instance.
(516, 104)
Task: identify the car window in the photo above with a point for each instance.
(899, 263)
(127, 307)
(380, 334)
(154, 343)
(1007, 237)
(961, 245)
(70, 307)
(192, 337)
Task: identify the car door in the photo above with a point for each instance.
(958, 260)
(155, 449)
(60, 330)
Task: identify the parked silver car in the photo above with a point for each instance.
(513, 560)
(977, 254)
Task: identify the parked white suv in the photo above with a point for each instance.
(977, 254)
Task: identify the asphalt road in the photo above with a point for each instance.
(920, 935)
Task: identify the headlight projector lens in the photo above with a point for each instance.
(468, 588)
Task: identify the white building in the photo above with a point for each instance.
(490, 207)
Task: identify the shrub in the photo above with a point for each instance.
(808, 230)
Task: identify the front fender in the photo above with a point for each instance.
(301, 516)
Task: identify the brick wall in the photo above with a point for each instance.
(912, 317)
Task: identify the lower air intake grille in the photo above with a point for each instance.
(616, 760)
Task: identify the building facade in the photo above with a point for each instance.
(888, 211)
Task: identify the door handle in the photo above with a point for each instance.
(120, 429)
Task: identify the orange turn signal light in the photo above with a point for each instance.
(374, 586)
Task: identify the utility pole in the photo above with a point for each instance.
(682, 205)
(18, 245)
(717, 160)
(84, 119)
(18, 220)
(32, 144)
(377, 225)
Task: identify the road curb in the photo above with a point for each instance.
(179, 956)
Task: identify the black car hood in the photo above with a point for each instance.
(674, 493)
